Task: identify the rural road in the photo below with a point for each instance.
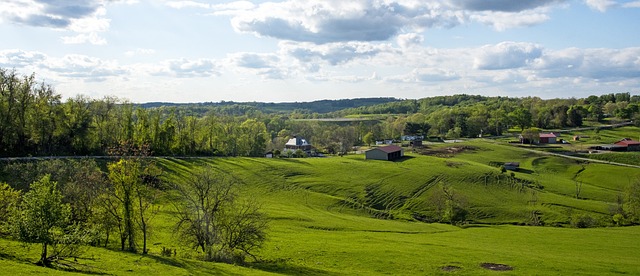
(581, 158)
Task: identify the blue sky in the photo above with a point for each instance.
(283, 51)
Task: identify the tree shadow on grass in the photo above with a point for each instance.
(527, 171)
(282, 267)
(165, 260)
(403, 158)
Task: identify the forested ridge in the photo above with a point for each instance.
(36, 121)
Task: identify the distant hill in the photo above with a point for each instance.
(321, 106)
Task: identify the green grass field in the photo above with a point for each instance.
(323, 218)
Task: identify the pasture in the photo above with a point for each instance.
(350, 216)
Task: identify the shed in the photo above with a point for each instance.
(512, 166)
(389, 153)
(548, 138)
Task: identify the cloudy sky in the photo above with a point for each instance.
(295, 50)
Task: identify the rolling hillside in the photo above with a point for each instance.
(350, 216)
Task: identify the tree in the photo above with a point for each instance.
(212, 219)
(448, 204)
(368, 138)
(521, 117)
(42, 217)
(531, 134)
(632, 201)
(9, 199)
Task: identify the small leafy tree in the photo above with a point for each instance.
(43, 217)
(9, 199)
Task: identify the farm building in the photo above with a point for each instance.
(548, 138)
(512, 166)
(298, 143)
(629, 144)
(385, 153)
(384, 142)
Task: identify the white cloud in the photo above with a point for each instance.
(334, 53)
(139, 51)
(185, 68)
(19, 58)
(84, 18)
(634, 4)
(410, 40)
(321, 22)
(502, 5)
(506, 55)
(91, 38)
(84, 67)
(503, 20)
(187, 4)
(340, 21)
(595, 64)
(600, 5)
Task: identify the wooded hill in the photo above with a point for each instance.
(34, 120)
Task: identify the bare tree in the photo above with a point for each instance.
(211, 217)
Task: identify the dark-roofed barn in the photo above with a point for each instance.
(385, 153)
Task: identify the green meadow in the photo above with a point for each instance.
(350, 216)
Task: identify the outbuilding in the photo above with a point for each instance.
(629, 144)
(391, 152)
(512, 166)
(548, 138)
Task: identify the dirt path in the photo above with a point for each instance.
(582, 158)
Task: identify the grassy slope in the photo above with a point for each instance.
(313, 233)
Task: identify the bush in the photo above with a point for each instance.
(583, 221)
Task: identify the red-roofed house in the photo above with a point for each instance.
(631, 145)
(548, 138)
(389, 153)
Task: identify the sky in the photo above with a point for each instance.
(286, 51)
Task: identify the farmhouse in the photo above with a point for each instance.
(385, 153)
(548, 138)
(298, 143)
(629, 144)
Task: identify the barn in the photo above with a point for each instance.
(548, 138)
(629, 144)
(389, 153)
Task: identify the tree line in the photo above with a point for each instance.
(34, 120)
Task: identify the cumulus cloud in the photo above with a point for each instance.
(321, 21)
(20, 59)
(597, 64)
(502, 5)
(409, 40)
(268, 66)
(185, 68)
(334, 53)
(85, 18)
(84, 67)
(503, 20)
(506, 55)
(340, 21)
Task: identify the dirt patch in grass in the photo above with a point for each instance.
(445, 152)
(450, 268)
(496, 267)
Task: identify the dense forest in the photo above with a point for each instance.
(36, 121)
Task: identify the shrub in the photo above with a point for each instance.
(583, 221)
